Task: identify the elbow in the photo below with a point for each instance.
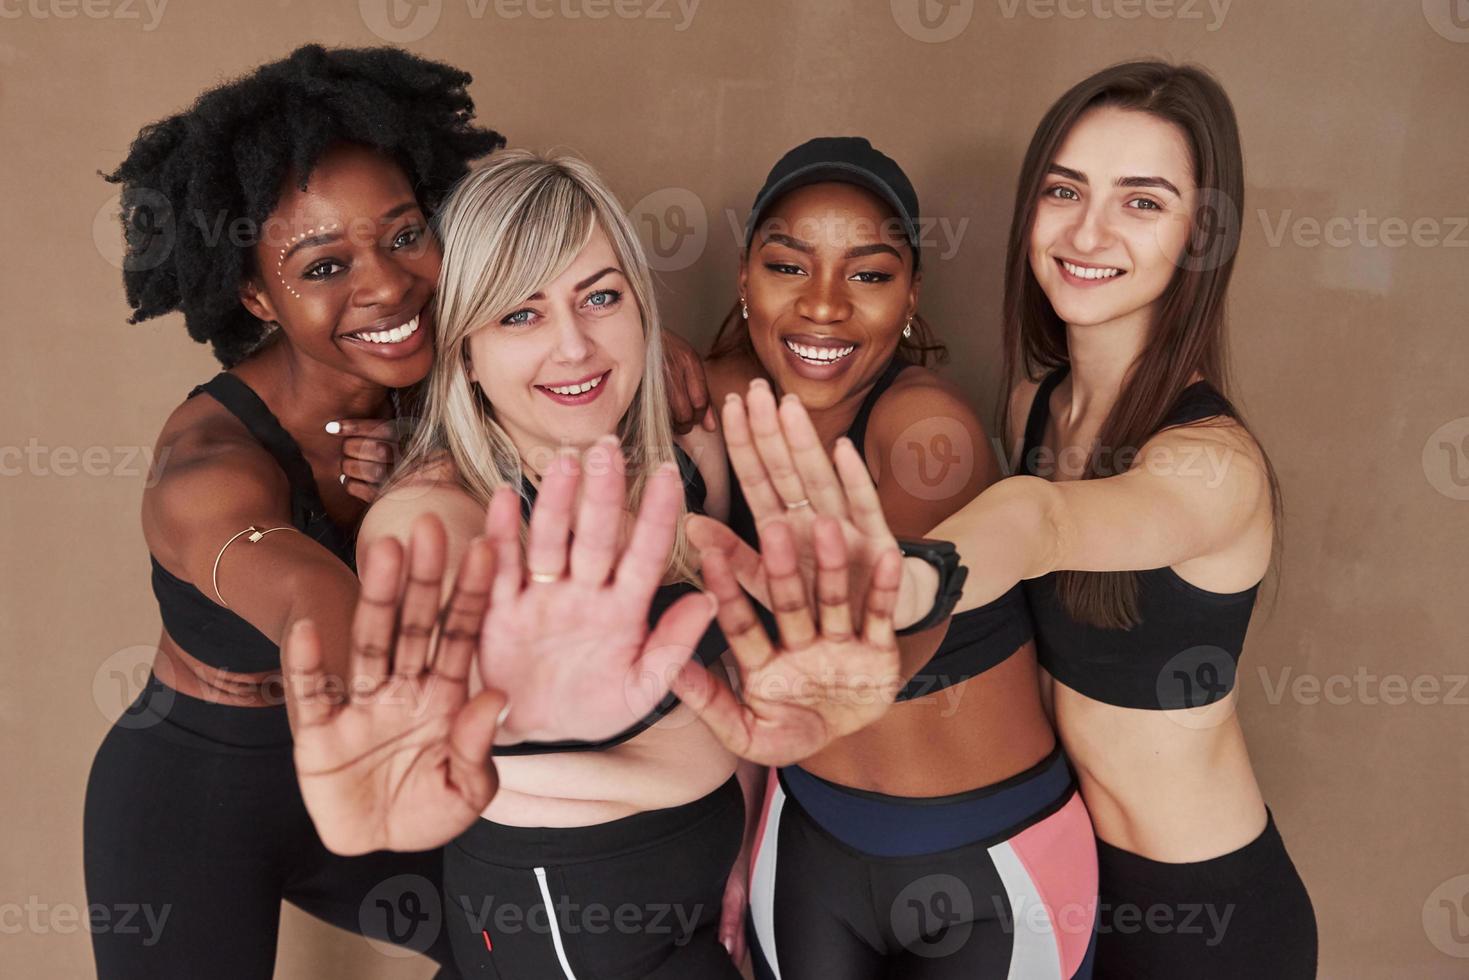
(1035, 510)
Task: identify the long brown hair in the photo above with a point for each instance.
(1187, 335)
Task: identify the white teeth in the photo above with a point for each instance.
(1082, 272)
(819, 355)
(579, 389)
(394, 336)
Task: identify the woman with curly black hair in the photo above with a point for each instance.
(286, 215)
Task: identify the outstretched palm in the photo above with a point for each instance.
(826, 678)
(570, 646)
(786, 475)
(398, 757)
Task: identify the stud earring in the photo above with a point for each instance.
(908, 329)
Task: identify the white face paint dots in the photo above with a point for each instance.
(281, 257)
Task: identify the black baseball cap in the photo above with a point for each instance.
(850, 160)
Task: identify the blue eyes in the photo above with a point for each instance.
(601, 300)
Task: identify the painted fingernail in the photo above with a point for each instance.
(504, 713)
(342, 479)
(334, 427)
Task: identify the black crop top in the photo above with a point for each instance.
(207, 631)
(1184, 651)
(711, 645)
(976, 641)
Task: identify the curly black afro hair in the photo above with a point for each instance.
(190, 179)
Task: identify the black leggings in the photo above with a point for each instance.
(1243, 914)
(996, 882)
(632, 899)
(195, 831)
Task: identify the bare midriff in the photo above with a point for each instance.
(1172, 786)
(963, 737)
(674, 762)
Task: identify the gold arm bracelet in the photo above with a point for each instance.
(255, 535)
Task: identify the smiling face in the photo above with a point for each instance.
(1112, 220)
(829, 283)
(563, 367)
(346, 267)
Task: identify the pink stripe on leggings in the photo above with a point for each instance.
(1060, 855)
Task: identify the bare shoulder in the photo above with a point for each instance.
(432, 488)
(730, 374)
(922, 404)
(209, 473)
(929, 451)
(1216, 454)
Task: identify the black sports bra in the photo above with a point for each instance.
(711, 645)
(1184, 651)
(209, 632)
(976, 641)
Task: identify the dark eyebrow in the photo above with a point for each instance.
(311, 242)
(1162, 182)
(873, 249)
(581, 285)
(1080, 178)
(775, 238)
(330, 237)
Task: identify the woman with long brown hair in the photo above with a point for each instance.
(1142, 524)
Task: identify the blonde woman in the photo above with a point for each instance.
(548, 339)
(614, 820)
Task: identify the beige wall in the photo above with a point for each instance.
(1351, 353)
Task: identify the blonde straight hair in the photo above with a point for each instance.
(507, 229)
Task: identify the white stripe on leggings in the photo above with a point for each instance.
(762, 880)
(1034, 954)
(555, 926)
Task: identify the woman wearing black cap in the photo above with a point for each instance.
(947, 839)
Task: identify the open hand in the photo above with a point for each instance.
(396, 756)
(567, 638)
(826, 678)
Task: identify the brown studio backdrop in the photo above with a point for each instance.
(1349, 350)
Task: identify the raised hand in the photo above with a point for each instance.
(826, 678)
(396, 757)
(787, 476)
(567, 639)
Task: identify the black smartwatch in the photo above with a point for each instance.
(945, 560)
